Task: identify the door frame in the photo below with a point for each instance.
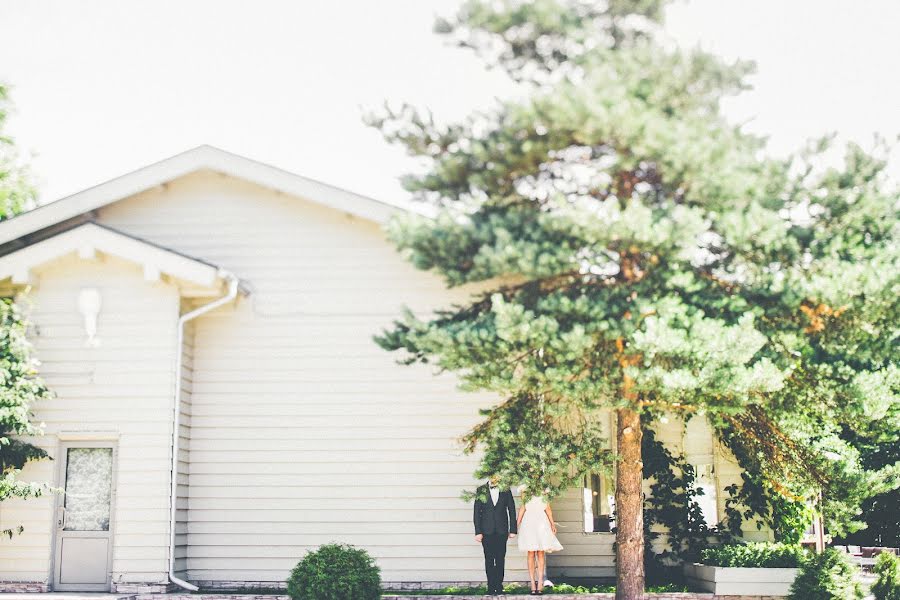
(55, 547)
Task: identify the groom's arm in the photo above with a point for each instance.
(511, 508)
(476, 517)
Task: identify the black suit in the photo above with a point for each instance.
(495, 522)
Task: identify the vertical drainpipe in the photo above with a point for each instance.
(230, 295)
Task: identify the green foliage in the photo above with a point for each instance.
(754, 554)
(757, 501)
(826, 576)
(541, 39)
(761, 498)
(887, 581)
(878, 511)
(672, 505)
(538, 442)
(335, 572)
(16, 190)
(20, 387)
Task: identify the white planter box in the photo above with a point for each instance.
(739, 581)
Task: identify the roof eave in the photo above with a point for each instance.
(197, 159)
(87, 239)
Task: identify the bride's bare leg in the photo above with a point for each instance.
(531, 565)
(541, 559)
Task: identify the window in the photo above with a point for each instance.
(599, 502)
(706, 481)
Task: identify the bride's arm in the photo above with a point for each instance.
(519, 518)
(549, 512)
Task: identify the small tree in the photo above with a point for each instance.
(887, 577)
(644, 257)
(19, 384)
(826, 576)
(17, 194)
(19, 390)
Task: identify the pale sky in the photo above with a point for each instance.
(102, 87)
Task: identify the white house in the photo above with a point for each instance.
(234, 304)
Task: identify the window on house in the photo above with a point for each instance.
(705, 480)
(599, 502)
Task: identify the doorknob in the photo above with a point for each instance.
(61, 517)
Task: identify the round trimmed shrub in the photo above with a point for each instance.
(826, 576)
(335, 572)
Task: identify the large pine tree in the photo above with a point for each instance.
(645, 257)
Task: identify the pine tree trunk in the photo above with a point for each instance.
(629, 507)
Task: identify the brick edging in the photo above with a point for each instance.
(24, 587)
(603, 596)
(144, 588)
(163, 592)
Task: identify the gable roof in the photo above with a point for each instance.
(88, 238)
(197, 159)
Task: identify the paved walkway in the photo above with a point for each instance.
(226, 596)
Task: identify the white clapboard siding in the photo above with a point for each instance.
(298, 418)
(296, 415)
(184, 451)
(122, 389)
(297, 429)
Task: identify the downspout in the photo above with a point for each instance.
(230, 295)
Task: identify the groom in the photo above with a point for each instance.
(495, 522)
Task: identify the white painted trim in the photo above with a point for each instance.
(197, 159)
(89, 238)
(87, 436)
(230, 295)
(740, 581)
(59, 501)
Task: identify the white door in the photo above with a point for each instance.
(84, 517)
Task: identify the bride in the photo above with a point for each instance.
(537, 535)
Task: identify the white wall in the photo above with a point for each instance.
(298, 429)
(184, 452)
(121, 389)
(304, 431)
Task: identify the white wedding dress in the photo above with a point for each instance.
(535, 532)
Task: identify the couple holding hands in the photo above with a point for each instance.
(496, 522)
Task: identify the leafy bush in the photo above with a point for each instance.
(20, 389)
(887, 582)
(754, 554)
(335, 572)
(826, 576)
